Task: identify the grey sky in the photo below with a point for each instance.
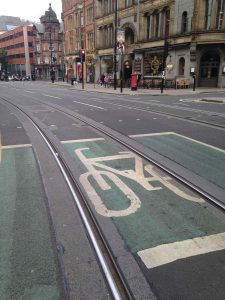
(29, 9)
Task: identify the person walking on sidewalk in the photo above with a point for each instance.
(106, 80)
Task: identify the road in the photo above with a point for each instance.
(183, 130)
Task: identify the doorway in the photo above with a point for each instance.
(209, 69)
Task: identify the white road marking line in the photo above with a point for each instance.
(82, 140)
(190, 100)
(52, 96)
(151, 134)
(17, 146)
(138, 119)
(120, 120)
(89, 105)
(177, 134)
(30, 92)
(167, 253)
(18, 127)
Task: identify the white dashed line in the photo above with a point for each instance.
(89, 105)
(52, 96)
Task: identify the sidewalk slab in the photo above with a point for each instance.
(89, 87)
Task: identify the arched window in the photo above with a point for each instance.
(129, 36)
(184, 22)
(181, 66)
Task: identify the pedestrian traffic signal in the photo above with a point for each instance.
(82, 55)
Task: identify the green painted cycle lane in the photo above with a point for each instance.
(149, 208)
(27, 264)
(200, 158)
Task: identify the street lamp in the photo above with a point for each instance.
(52, 73)
(165, 51)
(115, 46)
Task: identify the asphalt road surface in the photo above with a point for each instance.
(168, 241)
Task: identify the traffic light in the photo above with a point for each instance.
(82, 55)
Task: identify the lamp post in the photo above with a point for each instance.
(115, 46)
(165, 50)
(52, 73)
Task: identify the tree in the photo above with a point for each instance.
(3, 60)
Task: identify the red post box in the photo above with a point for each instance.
(133, 84)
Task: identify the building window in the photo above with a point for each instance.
(70, 23)
(156, 24)
(81, 18)
(167, 22)
(128, 3)
(77, 24)
(207, 14)
(90, 40)
(78, 39)
(181, 66)
(90, 15)
(148, 27)
(220, 13)
(184, 22)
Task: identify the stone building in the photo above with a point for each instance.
(175, 36)
(79, 33)
(48, 46)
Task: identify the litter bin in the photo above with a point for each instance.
(133, 83)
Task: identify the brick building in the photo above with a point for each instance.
(79, 33)
(19, 46)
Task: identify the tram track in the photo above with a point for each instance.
(124, 292)
(133, 146)
(186, 118)
(118, 287)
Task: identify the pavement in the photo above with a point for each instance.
(90, 87)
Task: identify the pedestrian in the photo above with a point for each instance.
(106, 80)
(80, 77)
(52, 74)
(138, 78)
(102, 79)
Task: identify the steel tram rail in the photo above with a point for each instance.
(119, 290)
(124, 140)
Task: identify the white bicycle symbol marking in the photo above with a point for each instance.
(97, 170)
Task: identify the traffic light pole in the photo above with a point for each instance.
(82, 64)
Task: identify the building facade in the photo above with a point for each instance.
(48, 46)
(79, 33)
(171, 36)
(18, 43)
